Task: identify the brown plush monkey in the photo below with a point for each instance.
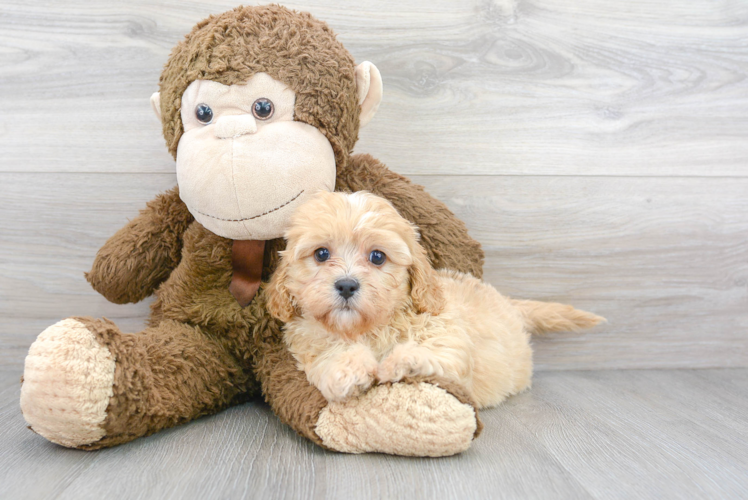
(260, 107)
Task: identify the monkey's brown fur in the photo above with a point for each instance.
(202, 352)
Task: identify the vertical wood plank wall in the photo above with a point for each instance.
(598, 149)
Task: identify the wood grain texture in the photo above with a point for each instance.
(576, 435)
(665, 260)
(637, 440)
(502, 87)
(597, 150)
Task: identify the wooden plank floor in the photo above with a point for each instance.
(576, 434)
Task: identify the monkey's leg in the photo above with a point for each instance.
(415, 417)
(87, 385)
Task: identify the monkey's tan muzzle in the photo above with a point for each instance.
(232, 126)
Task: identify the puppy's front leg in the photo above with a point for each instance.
(408, 360)
(343, 374)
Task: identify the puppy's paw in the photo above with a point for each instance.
(349, 374)
(408, 360)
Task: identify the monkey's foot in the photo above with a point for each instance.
(413, 418)
(67, 382)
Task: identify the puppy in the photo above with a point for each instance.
(362, 304)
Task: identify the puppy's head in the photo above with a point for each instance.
(350, 263)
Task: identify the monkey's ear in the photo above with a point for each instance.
(156, 104)
(369, 89)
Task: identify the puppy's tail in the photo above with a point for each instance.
(543, 317)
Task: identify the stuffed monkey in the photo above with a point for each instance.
(260, 108)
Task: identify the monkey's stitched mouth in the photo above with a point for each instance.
(254, 216)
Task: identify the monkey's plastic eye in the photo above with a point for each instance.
(321, 254)
(204, 114)
(263, 108)
(377, 258)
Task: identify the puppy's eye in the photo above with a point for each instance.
(263, 108)
(204, 114)
(377, 258)
(321, 254)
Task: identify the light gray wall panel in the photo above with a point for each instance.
(597, 149)
(502, 87)
(665, 260)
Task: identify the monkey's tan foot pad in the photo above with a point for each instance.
(400, 419)
(67, 383)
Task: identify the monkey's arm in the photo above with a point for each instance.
(443, 235)
(141, 255)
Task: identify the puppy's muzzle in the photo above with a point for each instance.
(347, 287)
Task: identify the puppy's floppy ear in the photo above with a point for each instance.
(279, 301)
(425, 289)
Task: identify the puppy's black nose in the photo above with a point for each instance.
(346, 287)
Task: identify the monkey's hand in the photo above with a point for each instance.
(141, 255)
(423, 417)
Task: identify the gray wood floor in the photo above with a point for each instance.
(577, 434)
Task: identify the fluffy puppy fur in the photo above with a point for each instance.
(352, 320)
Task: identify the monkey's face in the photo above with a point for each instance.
(243, 163)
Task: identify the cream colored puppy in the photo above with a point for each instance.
(362, 304)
